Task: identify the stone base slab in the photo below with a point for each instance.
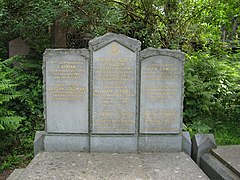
(110, 143)
(66, 142)
(160, 143)
(121, 144)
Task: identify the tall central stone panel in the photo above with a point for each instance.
(114, 90)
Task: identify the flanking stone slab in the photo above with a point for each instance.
(18, 47)
(230, 156)
(161, 98)
(66, 90)
(114, 84)
(216, 169)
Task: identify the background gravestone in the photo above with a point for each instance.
(66, 93)
(114, 88)
(18, 47)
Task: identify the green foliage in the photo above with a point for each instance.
(16, 144)
(34, 20)
(8, 118)
(212, 94)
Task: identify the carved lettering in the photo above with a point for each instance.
(114, 90)
(160, 95)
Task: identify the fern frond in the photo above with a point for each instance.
(10, 122)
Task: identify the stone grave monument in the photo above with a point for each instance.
(113, 98)
(18, 47)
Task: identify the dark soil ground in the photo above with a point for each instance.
(5, 174)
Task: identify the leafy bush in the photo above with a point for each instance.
(212, 95)
(8, 118)
(25, 75)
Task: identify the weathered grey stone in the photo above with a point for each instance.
(230, 156)
(114, 96)
(66, 90)
(116, 166)
(99, 42)
(120, 144)
(161, 91)
(57, 165)
(99, 103)
(39, 142)
(74, 165)
(146, 53)
(160, 143)
(66, 142)
(186, 143)
(215, 169)
(18, 47)
(202, 143)
(16, 174)
(172, 166)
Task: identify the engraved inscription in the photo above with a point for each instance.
(160, 120)
(157, 93)
(161, 82)
(114, 90)
(66, 91)
(66, 69)
(64, 72)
